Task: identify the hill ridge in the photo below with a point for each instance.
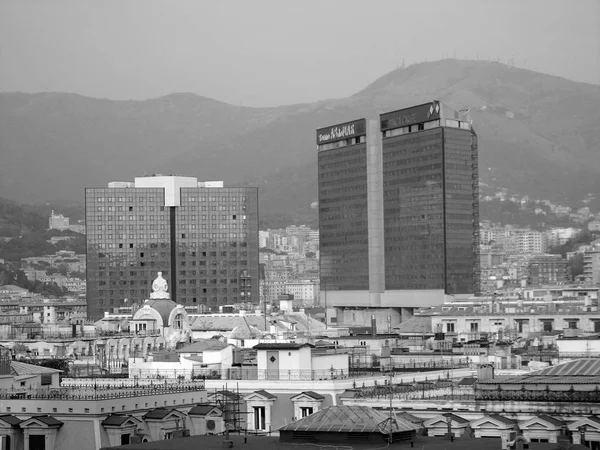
(538, 135)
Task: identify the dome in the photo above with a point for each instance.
(163, 307)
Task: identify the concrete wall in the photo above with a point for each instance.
(326, 362)
(292, 360)
(583, 346)
(223, 357)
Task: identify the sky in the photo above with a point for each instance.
(274, 52)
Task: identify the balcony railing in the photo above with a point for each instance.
(100, 392)
(237, 373)
(546, 395)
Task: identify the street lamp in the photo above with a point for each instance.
(449, 423)
(582, 429)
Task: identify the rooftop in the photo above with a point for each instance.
(215, 442)
(281, 346)
(20, 368)
(347, 419)
(203, 345)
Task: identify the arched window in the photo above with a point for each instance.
(178, 322)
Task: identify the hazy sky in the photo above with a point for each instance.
(271, 52)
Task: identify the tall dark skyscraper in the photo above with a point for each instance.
(202, 236)
(398, 213)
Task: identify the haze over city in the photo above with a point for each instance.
(269, 52)
(256, 224)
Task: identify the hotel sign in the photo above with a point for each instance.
(342, 131)
(410, 116)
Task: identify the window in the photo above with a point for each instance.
(306, 410)
(474, 327)
(450, 327)
(259, 418)
(547, 325)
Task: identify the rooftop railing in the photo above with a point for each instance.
(102, 391)
(547, 395)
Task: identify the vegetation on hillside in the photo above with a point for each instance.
(9, 274)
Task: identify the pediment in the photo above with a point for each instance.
(591, 424)
(170, 416)
(255, 397)
(435, 423)
(536, 424)
(34, 422)
(130, 422)
(442, 423)
(305, 398)
(486, 424)
(174, 415)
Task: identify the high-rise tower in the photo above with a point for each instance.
(202, 236)
(398, 213)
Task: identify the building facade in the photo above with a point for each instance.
(398, 211)
(547, 269)
(202, 236)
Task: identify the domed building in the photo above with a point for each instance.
(160, 314)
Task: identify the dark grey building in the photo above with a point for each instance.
(398, 213)
(202, 236)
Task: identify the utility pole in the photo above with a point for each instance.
(391, 410)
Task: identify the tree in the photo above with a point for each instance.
(63, 269)
(576, 265)
(58, 364)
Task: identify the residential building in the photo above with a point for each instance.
(531, 242)
(202, 236)
(547, 269)
(398, 212)
(58, 222)
(591, 264)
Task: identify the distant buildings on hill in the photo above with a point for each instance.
(61, 223)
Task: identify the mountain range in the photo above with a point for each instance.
(538, 136)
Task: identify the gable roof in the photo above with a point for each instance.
(45, 419)
(552, 420)
(346, 418)
(408, 416)
(444, 417)
(467, 381)
(281, 346)
(415, 325)
(595, 420)
(19, 368)
(203, 345)
(203, 410)
(262, 393)
(542, 417)
(10, 419)
(116, 420)
(493, 418)
(209, 322)
(161, 413)
(580, 367)
(311, 394)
